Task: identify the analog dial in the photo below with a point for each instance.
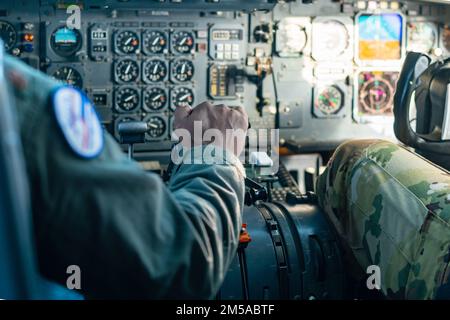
(331, 41)
(182, 42)
(127, 99)
(155, 42)
(155, 99)
(156, 127)
(154, 70)
(8, 34)
(182, 97)
(182, 70)
(422, 36)
(330, 100)
(127, 42)
(291, 38)
(126, 70)
(70, 76)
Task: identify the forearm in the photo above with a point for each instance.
(132, 236)
(212, 198)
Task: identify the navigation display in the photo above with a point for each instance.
(380, 36)
(376, 92)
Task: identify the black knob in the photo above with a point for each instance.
(132, 131)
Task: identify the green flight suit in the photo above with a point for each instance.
(392, 208)
(131, 235)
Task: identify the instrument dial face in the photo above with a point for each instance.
(127, 42)
(8, 34)
(182, 97)
(422, 36)
(155, 42)
(155, 99)
(330, 100)
(157, 127)
(66, 42)
(331, 41)
(182, 42)
(154, 70)
(262, 33)
(127, 99)
(291, 39)
(70, 76)
(182, 70)
(376, 93)
(126, 71)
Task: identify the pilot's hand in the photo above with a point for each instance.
(223, 126)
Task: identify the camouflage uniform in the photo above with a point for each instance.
(392, 208)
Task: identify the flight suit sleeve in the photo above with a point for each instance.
(130, 235)
(391, 208)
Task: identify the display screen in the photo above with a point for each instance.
(65, 35)
(224, 35)
(99, 35)
(376, 92)
(380, 36)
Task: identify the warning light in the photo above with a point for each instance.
(28, 37)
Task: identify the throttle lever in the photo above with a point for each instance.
(255, 192)
(132, 132)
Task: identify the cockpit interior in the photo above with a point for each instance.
(317, 73)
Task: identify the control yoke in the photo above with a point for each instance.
(428, 84)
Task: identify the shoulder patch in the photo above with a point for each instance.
(78, 121)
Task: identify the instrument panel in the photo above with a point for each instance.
(144, 68)
(322, 72)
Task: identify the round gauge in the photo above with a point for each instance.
(155, 42)
(446, 38)
(376, 96)
(126, 70)
(182, 97)
(126, 42)
(331, 41)
(330, 100)
(127, 99)
(262, 33)
(422, 36)
(155, 99)
(8, 34)
(156, 127)
(70, 76)
(291, 39)
(154, 70)
(65, 41)
(182, 42)
(182, 70)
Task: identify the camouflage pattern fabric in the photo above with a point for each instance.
(392, 208)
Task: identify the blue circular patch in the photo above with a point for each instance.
(78, 121)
